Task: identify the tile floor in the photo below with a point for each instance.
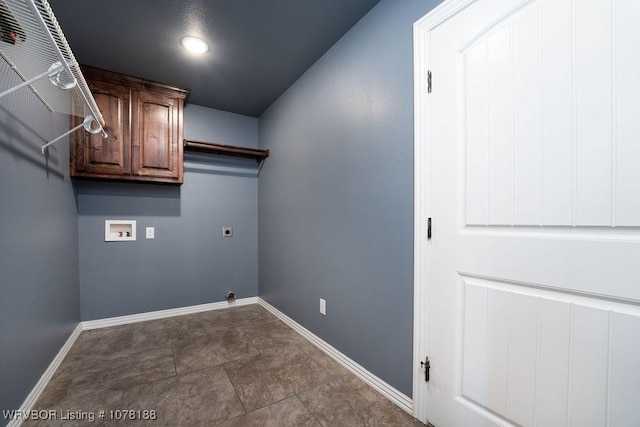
(234, 367)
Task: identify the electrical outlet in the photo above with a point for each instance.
(227, 231)
(151, 232)
(323, 307)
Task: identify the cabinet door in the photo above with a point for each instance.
(157, 137)
(93, 155)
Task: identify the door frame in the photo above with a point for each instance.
(422, 204)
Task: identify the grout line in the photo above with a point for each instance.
(307, 408)
(235, 390)
(399, 399)
(175, 363)
(172, 345)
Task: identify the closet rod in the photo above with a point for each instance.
(87, 124)
(47, 73)
(226, 150)
(57, 42)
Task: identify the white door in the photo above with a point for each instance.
(533, 184)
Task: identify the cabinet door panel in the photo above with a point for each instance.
(157, 136)
(94, 154)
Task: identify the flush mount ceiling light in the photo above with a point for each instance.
(194, 44)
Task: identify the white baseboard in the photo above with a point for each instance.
(395, 396)
(162, 314)
(32, 398)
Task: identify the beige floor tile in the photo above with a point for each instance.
(239, 366)
(247, 315)
(270, 377)
(215, 348)
(275, 335)
(347, 401)
(286, 413)
(99, 341)
(125, 368)
(166, 331)
(203, 397)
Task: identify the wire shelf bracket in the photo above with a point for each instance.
(30, 40)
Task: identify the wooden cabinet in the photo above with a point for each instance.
(156, 136)
(93, 155)
(144, 123)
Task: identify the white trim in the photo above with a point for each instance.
(33, 397)
(162, 314)
(395, 396)
(421, 213)
(421, 185)
(441, 13)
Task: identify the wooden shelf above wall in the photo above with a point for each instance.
(226, 150)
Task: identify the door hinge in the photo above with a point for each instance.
(428, 81)
(429, 228)
(427, 366)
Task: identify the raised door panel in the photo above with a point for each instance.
(96, 155)
(534, 304)
(157, 148)
(550, 140)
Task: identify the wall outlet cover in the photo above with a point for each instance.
(151, 232)
(323, 307)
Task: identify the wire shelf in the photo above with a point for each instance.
(32, 43)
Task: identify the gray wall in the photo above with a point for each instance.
(188, 262)
(39, 306)
(336, 196)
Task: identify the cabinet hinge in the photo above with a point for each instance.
(429, 228)
(427, 366)
(428, 81)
